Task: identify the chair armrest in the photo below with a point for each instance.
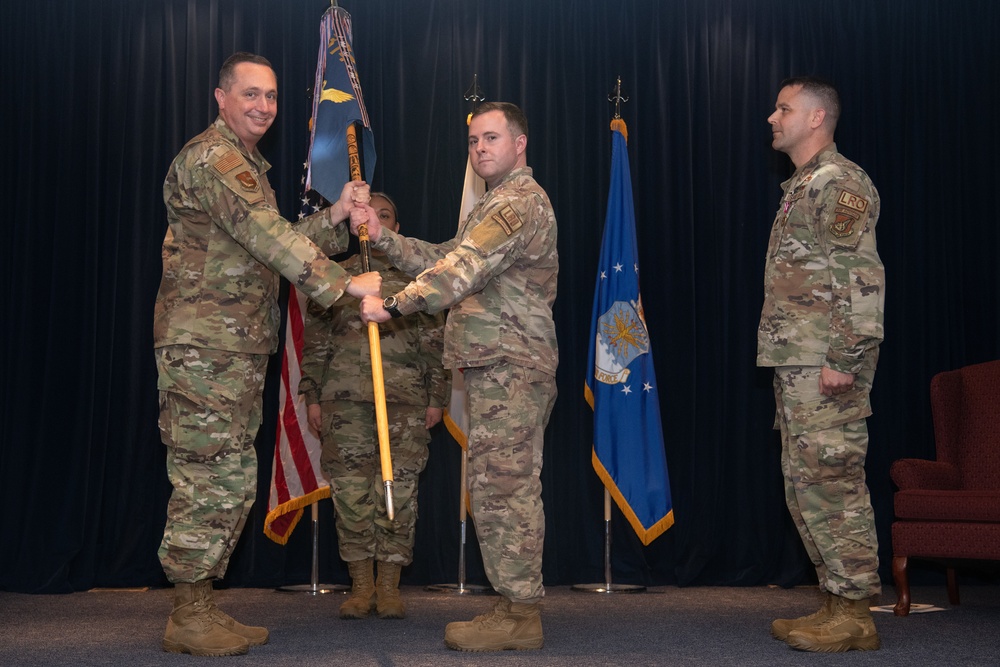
(922, 474)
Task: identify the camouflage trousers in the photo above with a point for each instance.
(210, 411)
(351, 462)
(509, 407)
(824, 442)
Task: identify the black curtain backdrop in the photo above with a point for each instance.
(101, 94)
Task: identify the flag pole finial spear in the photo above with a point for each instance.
(617, 98)
(617, 123)
(474, 95)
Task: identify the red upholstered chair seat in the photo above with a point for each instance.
(949, 509)
(934, 505)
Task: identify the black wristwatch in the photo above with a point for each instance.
(391, 304)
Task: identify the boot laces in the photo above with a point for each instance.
(218, 616)
(839, 617)
(204, 615)
(493, 619)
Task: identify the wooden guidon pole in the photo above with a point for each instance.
(374, 345)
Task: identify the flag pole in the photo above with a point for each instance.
(354, 157)
(608, 586)
(475, 96)
(314, 587)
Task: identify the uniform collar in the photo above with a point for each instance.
(822, 156)
(514, 173)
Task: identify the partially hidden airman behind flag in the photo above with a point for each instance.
(337, 102)
(621, 384)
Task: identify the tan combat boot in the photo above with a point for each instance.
(782, 626)
(362, 598)
(192, 628)
(387, 600)
(511, 625)
(850, 626)
(255, 635)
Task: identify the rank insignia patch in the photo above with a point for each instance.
(508, 219)
(247, 180)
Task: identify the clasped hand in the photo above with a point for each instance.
(363, 214)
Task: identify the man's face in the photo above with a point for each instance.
(493, 149)
(251, 103)
(791, 120)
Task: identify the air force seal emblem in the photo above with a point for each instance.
(621, 337)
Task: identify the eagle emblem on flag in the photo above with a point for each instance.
(621, 338)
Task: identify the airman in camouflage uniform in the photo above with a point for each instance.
(498, 277)
(215, 321)
(820, 328)
(337, 385)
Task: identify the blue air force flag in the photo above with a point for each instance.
(337, 103)
(621, 382)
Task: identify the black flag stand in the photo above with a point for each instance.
(608, 586)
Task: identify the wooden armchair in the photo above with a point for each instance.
(949, 509)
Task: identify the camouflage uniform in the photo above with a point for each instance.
(823, 306)
(336, 374)
(498, 277)
(215, 321)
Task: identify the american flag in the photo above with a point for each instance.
(296, 479)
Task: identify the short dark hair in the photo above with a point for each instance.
(822, 90)
(227, 73)
(516, 121)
